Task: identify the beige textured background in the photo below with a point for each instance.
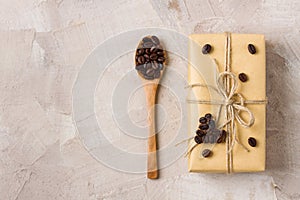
(42, 46)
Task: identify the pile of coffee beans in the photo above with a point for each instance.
(150, 58)
(207, 132)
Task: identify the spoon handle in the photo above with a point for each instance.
(150, 90)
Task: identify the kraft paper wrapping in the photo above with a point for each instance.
(203, 70)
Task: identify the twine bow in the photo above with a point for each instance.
(234, 103)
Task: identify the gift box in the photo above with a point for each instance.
(226, 103)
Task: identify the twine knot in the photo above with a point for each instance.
(228, 102)
(233, 101)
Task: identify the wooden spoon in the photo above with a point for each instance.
(149, 63)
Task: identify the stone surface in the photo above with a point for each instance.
(43, 45)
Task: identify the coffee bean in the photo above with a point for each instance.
(206, 153)
(148, 77)
(153, 49)
(219, 139)
(216, 131)
(148, 44)
(208, 116)
(140, 52)
(153, 56)
(224, 133)
(211, 139)
(251, 48)
(160, 53)
(202, 120)
(222, 137)
(209, 131)
(141, 60)
(155, 40)
(159, 48)
(203, 126)
(216, 137)
(139, 67)
(206, 49)
(252, 141)
(148, 66)
(161, 59)
(205, 139)
(243, 77)
(150, 72)
(212, 124)
(147, 51)
(160, 66)
(147, 39)
(147, 57)
(154, 65)
(157, 74)
(198, 139)
(200, 133)
(157, 66)
(142, 71)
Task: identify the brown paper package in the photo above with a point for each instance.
(254, 66)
